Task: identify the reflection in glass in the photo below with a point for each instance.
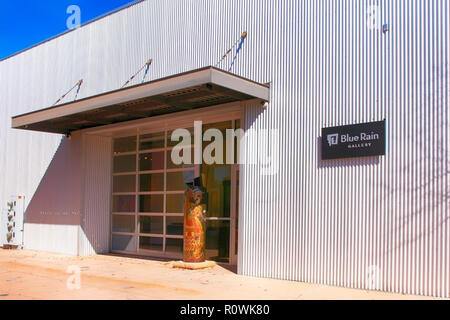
(174, 226)
(151, 243)
(123, 242)
(152, 225)
(174, 245)
(151, 182)
(175, 181)
(222, 127)
(151, 161)
(151, 141)
(124, 183)
(151, 203)
(217, 240)
(124, 163)
(124, 203)
(122, 223)
(175, 203)
(127, 144)
(217, 179)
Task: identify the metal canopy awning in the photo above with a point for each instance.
(194, 89)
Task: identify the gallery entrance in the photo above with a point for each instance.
(148, 187)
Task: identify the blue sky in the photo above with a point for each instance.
(27, 22)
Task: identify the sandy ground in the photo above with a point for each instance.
(37, 275)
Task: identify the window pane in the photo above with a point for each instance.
(151, 141)
(174, 226)
(151, 161)
(181, 154)
(127, 144)
(124, 203)
(175, 203)
(174, 245)
(222, 127)
(123, 243)
(151, 243)
(125, 163)
(151, 203)
(151, 224)
(217, 240)
(218, 188)
(175, 181)
(122, 223)
(124, 183)
(187, 139)
(151, 182)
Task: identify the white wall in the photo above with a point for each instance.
(52, 238)
(314, 221)
(95, 222)
(54, 210)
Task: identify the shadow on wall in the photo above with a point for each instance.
(59, 218)
(350, 162)
(57, 197)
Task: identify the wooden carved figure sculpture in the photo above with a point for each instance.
(194, 225)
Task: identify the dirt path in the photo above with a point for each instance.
(37, 275)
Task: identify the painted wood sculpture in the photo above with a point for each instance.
(194, 225)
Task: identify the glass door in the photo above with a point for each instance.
(219, 181)
(148, 196)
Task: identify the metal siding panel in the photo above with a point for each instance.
(95, 222)
(40, 237)
(312, 221)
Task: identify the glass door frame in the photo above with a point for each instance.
(177, 123)
(137, 193)
(234, 197)
(233, 214)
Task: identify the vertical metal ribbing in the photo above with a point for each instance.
(95, 220)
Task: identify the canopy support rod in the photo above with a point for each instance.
(76, 95)
(146, 66)
(241, 39)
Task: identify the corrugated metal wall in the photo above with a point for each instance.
(338, 222)
(95, 222)
(51, 238)
(366, 223)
